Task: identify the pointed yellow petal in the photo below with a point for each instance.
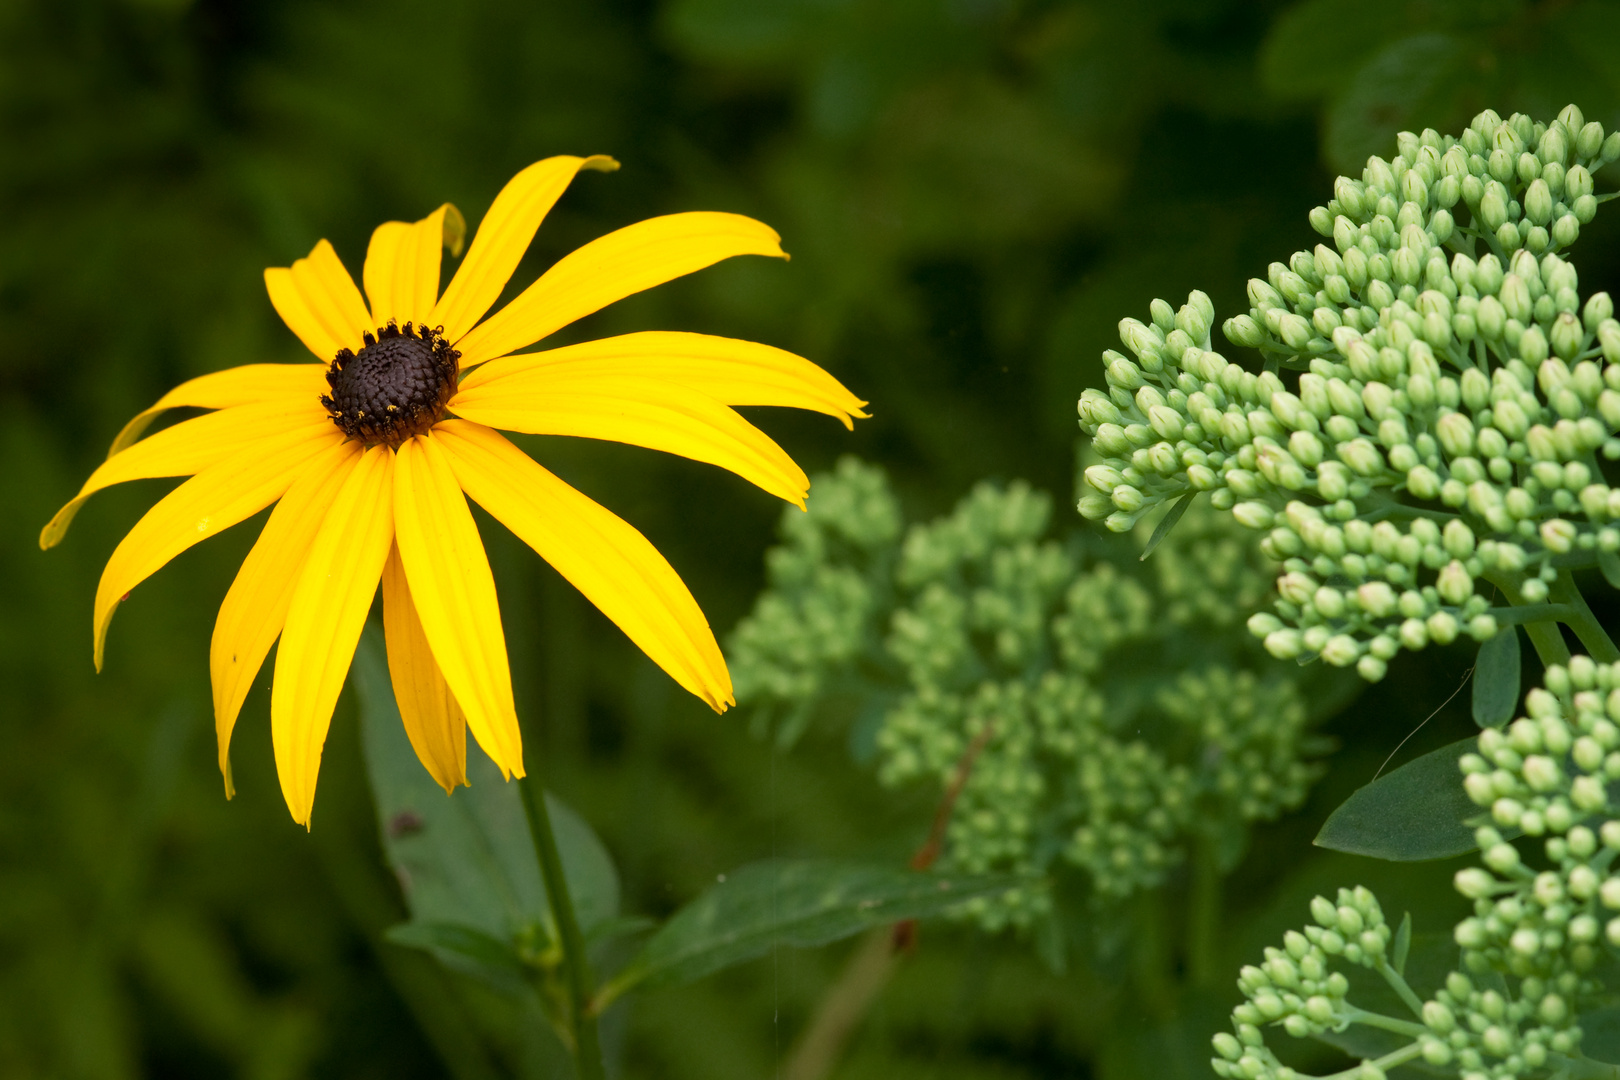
(210, 502)
(256, 605)
(324, 621)
(454, 592)
(643, 412)
(612, 267)
(732, 372)
(245, 385)
(402, 268)
(191, 446)
(616, 567)
(317, 300)
(503, 236)
(434, 722)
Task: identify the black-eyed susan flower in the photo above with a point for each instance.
(369, 457)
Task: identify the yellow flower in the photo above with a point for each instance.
(367, 455)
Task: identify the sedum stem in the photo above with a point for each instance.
(587, 1043)
(1581, 620)
(1544, 634)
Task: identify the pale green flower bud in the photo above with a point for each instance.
(1584, 209)
(1244, 331)
(1577, 183)
(1306, 448)
(1538, 202)
(1294, 330)
(1166, 422)
(1611, 147)
(1454, 584)
(1333, 481)
(1510, 236)
(1608, 334)
(1566, 335)
(1112, 440)
(1558, 536)
(1284, 644)
(1493, 211)
(1456, 431)
(1422, 481)
(1598, 308)
(1122, 372)
(1589, 140)
(1094, 506)
(1442, 627)
(1105, 478)
(1458, 539)
(1566, 230)
(1475, 884)
(1362, 457)
(1542, 772)
(1254, 515)
(1515, 297)
(1491, 319)
(1509, 418)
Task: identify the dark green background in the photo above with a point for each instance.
(973, 191)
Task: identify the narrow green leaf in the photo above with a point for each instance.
(1166, 523)
(1415, 812)
(460, 946)
(797, 903)
(467, 859)
(1403, 944)
(1609, 563)
(1496, 679)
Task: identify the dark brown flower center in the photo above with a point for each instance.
(395, 387)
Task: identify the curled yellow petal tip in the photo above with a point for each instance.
(600, 163)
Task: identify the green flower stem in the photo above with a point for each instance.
(1386, 1023)
(1581, 620)
(587, 1043)
(1388, 1061)
(1204, 923)
(1543, 633)
(1400, 986)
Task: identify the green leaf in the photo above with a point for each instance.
(468, 859)
(1403, 945)
(1417, 82)
(788, 902)
(1166, 523)
(1496, 679)
(1609, 563)
(1415, 812)
(461, 946)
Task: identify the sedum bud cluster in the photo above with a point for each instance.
(1034, 669)
(1546, 911)
(1452, 398)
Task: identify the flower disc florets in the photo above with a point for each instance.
(397, 386)
(1438, 449)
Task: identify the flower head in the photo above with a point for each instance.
(369, 457)
(1439, 445)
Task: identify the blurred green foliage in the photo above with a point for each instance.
(973, 191)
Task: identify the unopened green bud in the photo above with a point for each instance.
(1454, 584)
(1538, 202)
(1244, 331)
(1493, 211)
(1598, 308)
(1565, 335)
(1577, 183)
(1589, 140)
(1515, 297)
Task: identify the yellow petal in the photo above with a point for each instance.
(317, 300)
(643, 412)
(454, 592)
(612, 267)
(256, 605)
(210, 502)
(434, 722)
(402, 268)
(732, 372)
(245, 385)
(324, 621)
(616, 567)
(503, 236)
(191, 446)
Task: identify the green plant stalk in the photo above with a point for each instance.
(1203, 930)
(1581, 620)
(1399, 985)
(587, 1042)
(1544, 634)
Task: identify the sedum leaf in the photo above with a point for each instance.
(1496, 679)
(791, 902)
(1415, 812)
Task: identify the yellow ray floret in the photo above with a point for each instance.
(245, 385)
(402, 265)
(732, 372)
(642, 412)
(255, 607)
(454, 593)
(617, 568)
(433, 721)
(324, 620)
(613, 267)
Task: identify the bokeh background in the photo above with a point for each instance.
(973, 191)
